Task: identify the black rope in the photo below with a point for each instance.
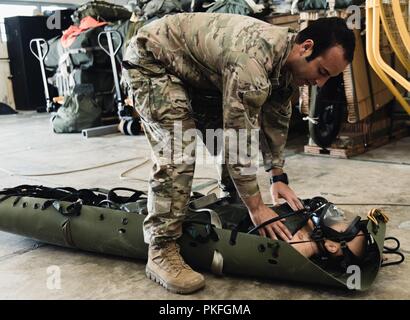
(263, 224)
(393, 251)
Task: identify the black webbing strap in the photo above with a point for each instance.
(210, 233)
(392, 250)
(263, 224)
(73, 209)
(112, 196)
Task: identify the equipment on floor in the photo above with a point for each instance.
(6, 109)
(85, 63)
(112, 52)
(102, 11)
(242, 7)
(304, 5)
(217, 234)
(328, 110)
(82, 72)
(40, 52)
(25, 71)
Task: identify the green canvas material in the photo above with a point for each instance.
(304, 5)
(231, 6)
(102, 11)
(80, 110)
(117, 232)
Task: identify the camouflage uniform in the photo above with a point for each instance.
(237, 57)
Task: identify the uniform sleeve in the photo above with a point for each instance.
(246, 88)
(274, 122)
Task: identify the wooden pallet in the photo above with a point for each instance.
(357, 149)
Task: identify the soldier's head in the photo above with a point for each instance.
(322, 50)
(356, 245)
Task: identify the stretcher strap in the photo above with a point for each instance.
(66, 229)
(392, 250)
(217, 263)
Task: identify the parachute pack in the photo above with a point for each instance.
(82, 70)
(218, 235)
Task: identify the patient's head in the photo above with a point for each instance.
(356, 246)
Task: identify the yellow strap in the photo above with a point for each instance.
(376, 214)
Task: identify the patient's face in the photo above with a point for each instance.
(356, 245)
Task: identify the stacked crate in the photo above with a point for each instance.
(369, 120)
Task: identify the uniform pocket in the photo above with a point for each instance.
(171, 101)
(138, 88)
(280, 101)
(285, 110)
(252, 101)
(177, 93)
(159, 205)
(141, 95)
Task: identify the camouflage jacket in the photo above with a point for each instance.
(239, 56)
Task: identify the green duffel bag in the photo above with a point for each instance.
(341, 4)
(101, 11)
(231, 6)
(159, 8)
(304, 5)
(85, 52)
(55, 51)
(102, 80)
(79, 111)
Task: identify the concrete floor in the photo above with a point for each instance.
(29, 150)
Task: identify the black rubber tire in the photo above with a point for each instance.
(330, 110)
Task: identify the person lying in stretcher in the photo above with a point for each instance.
(322, 231)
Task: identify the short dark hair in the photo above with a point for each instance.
(326, 33)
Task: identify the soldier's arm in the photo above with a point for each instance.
(274, 122)
(246, 88)
(275, 118)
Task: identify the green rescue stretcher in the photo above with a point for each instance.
(218, 235)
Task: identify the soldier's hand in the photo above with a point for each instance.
(282, 190)
(273, 230)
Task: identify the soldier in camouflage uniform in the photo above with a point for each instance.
(254, 67)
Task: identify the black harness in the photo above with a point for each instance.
(315, 210)
(90, 197)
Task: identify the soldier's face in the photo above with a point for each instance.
(317, 71)
(356, 245)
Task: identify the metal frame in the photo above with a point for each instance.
(100, 131)
(383, 70)
(404, 59)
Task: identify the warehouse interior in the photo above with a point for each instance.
(65, 121)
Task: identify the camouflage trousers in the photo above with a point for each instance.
(162, 101)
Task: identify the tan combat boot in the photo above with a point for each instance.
(167, 267)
